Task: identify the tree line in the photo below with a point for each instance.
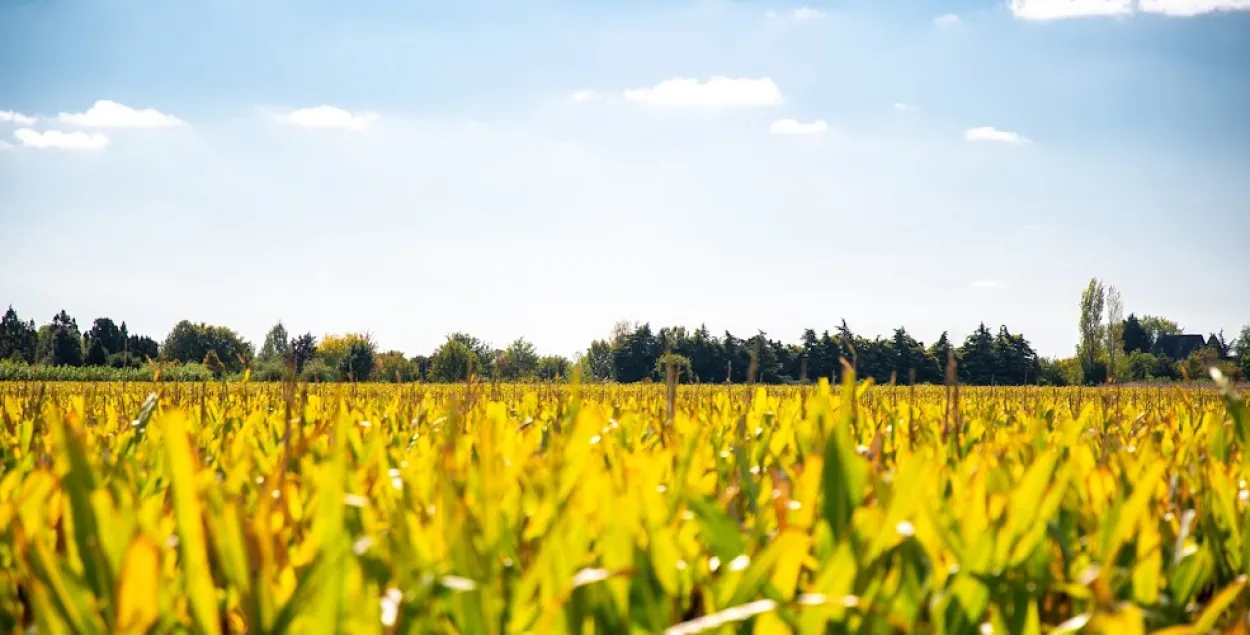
(1111, 347)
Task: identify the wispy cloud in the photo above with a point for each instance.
(585, 95)
(986, 284)
(793, 127)
(990, 133)
(328, 117)
(801, 13)
(1062, 9)
(717, 92)
(947, 20)
(59, 139)
(1042, 10)
(110, 114)
(17, 118)
(1188, 8)
(903, 107)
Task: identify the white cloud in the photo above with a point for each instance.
(717, 92)
(986, 284)
(792, 127)
(1189, 8)
(110, 114)
(990, 133)
(77, 140)
(586, 95)
(1061, 9)
(902, 107)
(329, 117)
(17, 118)
(947, 20)
(801, 13)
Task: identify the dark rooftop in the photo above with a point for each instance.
(1178, 347)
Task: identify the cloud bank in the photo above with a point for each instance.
(16, 117)
(1044, 10)
(110, 114)
(58, 139)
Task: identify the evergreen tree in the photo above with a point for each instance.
(977, 360)
(18, 339)
(1136, 338)
(60, 343)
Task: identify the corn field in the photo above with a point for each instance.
(215, 508)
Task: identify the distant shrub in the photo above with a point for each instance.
(19, 371)
(317, 370)
(272, 370)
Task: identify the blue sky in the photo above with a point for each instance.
(545, 169)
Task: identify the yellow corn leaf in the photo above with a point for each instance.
(139, 586)
(182, 464)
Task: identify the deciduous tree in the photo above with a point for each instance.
(1092, 331)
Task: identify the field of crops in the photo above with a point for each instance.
(264, 508)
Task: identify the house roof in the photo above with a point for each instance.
(1177, 347)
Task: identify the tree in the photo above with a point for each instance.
(707, 356)
(939, 354)
(393, 366)
(680, 364)
(316, 370)
(212, 361)
(1051, 372)
(518, 361)
(1141, 366)
(333, 348)
(1016, 362)
(277, 344)
(1156, 326)
(769, 367)
(18, 340)
(483, 354)
(142, 347)
(977, 361)
(597, 362)
(908, 355)
(1241, 351)
(421, 367)
(552, 367)
(1221, 345)
(356, 364)
(1200, 362)
(634, 358)
(1136, 337)
(1114, 330)
(104, 338)
(191, 343)
(451, 362)
(1089, 350)
(303, 350)
(60, 343)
